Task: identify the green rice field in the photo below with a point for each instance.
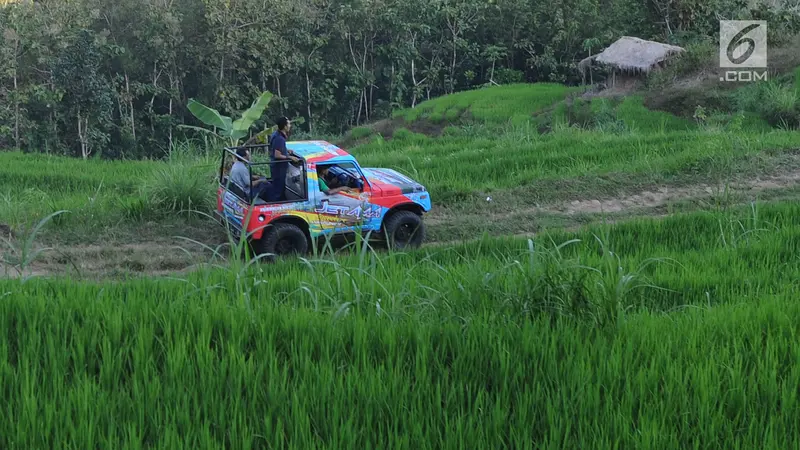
(669, 327)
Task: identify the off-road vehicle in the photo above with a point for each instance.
(379, 202)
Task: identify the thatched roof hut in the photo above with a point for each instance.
(632, 56)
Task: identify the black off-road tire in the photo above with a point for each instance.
(281, 239)
(404, 229)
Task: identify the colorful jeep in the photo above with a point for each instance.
(379, 202)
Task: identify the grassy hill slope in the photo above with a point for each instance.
(664, 332)
(539, 155)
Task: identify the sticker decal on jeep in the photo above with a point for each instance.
(358, 212)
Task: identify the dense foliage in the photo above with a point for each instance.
(87, 77)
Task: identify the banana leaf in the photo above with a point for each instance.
(210, 116)
(242, 125)
(192, 127)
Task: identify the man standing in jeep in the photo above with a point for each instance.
(278, 155)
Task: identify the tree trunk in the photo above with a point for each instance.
(156, 76)
(454, 58)
(372, 70)
(428, 87)
(52, 112)
(360, 69)
(16, 97)
(130, 106)
(80, 131)
(170, 128)
(278, 85)
(55, 127)
(123, 112)
(308, 103)
(360, 102)
(366, 105)
(414, 81)
(173, 84)
(82, 135)
(514, 32)
(453, 67)
(392, 98)
(87, 150)
(221, 72)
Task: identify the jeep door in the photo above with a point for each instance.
(347, 211)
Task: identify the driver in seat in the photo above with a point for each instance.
(336, 177)
(322, 174)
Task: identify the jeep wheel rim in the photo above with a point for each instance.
(284, 246)
(404, 232)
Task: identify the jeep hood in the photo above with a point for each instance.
(383, 177)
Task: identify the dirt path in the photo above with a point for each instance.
(665, 195)
(164, 257)
(576, 214)
(113, 260)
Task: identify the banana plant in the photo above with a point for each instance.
(262, 137)
(224, 126)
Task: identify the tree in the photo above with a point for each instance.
(87, 94)
(127, 69)
(460, 18)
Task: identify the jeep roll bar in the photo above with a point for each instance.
(232, 151)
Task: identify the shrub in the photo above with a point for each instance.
(682, 102)
(452, 114)
(508, 76)
(177, 188)
(360, 132)
(404, 134)
(797, 81)
(778, 104)
(698, 56)
(452, 131)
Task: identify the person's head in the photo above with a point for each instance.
(324, 173)
(243, 153)
(284, 124)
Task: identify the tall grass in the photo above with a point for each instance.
(392, 353)
(178, 188)
(18, 255)
(99, 193)
(673, 333)
(611, 115)
(797, 81)
(653, 265)
(497, 105)
(777, 102)
(498, 149)
(452, 167)
(455, 166)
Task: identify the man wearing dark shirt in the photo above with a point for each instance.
(278, 153)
